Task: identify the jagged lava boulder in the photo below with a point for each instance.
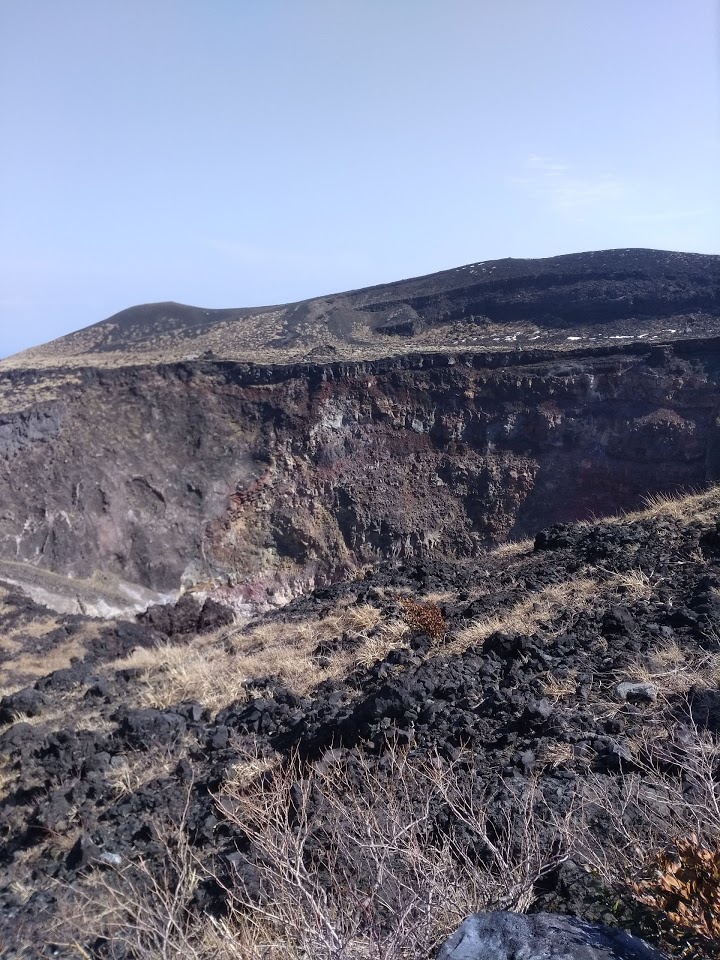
(542, 936)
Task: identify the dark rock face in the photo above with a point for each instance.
(257, 491)
(188, 617)
(26, 702)
(30, 427)
(542, 936)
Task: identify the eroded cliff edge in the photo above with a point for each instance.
(120, 487)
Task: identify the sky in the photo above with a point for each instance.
(243, 152)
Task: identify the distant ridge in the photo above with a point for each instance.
(621, 294)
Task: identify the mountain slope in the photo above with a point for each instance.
(518, 725)
(568, 690)
(589, 296)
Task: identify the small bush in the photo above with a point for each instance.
(350, 860)
(683, 882)
(673, 792)
(424, 617)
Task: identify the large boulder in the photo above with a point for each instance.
(541, 936)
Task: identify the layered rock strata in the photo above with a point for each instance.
(256, 483)
(124, 482)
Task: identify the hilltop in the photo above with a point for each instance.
(554, 302)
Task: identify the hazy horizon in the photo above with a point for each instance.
(228, 155)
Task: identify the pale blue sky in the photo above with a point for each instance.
(242, 152)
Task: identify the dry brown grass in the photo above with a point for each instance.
(571, 599)
(68, 708)
(514, 548)
(435, 597)
(32, 626)
(554, 754)
(675, 669)
(31, 655)
(215, 669)
(245, 771)
(10, 646)
(172, 673)
(133, 770)
(28, 666)
(560, 688)
(682, 505)
(8, 777)
(49, 717)
(632, 585)
(527, 616)
(360, 618)
(390, 635)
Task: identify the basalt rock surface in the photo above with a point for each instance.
(127, 476)
(505, 936)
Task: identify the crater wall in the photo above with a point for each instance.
(255, 483)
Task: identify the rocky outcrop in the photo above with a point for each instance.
(254, 483)
(506, 936)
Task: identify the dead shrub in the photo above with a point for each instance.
(352, 862)
(673, 790)
(424, 617)
(683, 882)
(372, 859)
(142, 909)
